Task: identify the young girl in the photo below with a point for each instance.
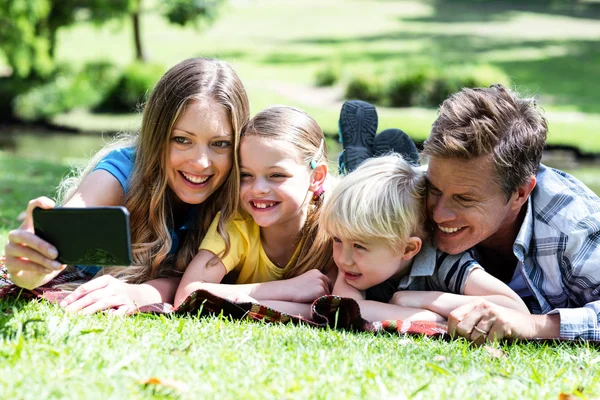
(275, 238)
(376, 216)
(174, 176)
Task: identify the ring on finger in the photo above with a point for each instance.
(478, 329)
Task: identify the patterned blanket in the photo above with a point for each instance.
(328, 311)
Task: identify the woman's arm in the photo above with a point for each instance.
(479, 286)
(377, 311)
(199, 275)
(109, 293)
(31, 261)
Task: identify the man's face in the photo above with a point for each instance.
(466, 206)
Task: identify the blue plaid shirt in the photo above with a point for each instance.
(558, 248)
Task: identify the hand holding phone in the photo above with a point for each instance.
(86, 236)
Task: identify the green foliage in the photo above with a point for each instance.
(136, 81)
(28, 28)
(66, 90)
(408, 88)
(24, 36)
(425, 85)
(183, 12)
(328, 75)
(10, 88)
(362, 87)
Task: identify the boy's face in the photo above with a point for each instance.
(367, 263)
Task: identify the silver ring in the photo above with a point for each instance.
(484, 333)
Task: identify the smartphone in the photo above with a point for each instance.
(86, 236)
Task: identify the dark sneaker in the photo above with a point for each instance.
(397, 141)
(357, 125)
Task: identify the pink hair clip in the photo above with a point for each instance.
(318, 193)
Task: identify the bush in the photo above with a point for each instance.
(10, 88)
(66, 90)
(327, 76)
(364, 88)
(137, 80)
(456, 78)
(409, 88)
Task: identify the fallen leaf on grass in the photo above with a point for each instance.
(170, 383)
(569, 396)
(439, 358)
(495, 352)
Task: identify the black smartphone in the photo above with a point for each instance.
(86, 236)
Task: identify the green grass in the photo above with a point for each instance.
(48, 353)
(276, 47)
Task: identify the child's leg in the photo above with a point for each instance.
(397, 141)
(357, 128)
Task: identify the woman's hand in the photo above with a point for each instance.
(109, 293)
(31, 261)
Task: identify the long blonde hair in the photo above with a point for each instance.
(298, 128)
(149, 199)
(383, 198)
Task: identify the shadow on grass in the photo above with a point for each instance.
(458, 11)
(569, 80)
(564, 73)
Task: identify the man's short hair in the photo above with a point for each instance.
(493, 122)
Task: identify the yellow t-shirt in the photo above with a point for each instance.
(247, 259)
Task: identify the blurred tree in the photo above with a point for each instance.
(28, 28)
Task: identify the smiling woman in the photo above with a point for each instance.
(174, 177)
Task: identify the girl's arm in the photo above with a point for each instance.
(479, 285)
(199, 275)
(377, 311)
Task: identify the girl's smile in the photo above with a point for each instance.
(275, 182)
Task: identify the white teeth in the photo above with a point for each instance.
(448, 230)
(263, 205)
(195, 179)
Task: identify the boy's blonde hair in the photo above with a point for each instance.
(383, 198)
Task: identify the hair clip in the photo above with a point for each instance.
(313, 162)
(318, 193)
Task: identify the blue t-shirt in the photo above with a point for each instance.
(119, 163)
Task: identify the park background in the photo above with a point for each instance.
(60, 99)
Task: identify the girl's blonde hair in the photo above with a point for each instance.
(383, 198)
(149, 199)
(298, 128)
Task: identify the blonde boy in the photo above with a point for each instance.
(376, 218)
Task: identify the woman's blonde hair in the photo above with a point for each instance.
(383, 199)
(294, 126)
(149, 199)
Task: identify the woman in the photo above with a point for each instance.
(174, 176)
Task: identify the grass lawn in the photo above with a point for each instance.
(48, 353)
(277, 46)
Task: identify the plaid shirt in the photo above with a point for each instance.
(558, 248)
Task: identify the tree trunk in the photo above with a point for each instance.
(140, 54)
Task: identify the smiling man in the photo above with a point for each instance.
(533, 227)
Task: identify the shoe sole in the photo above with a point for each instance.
(358, 124)
(397, 141)
(351, 158)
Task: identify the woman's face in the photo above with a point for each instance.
(200, 151)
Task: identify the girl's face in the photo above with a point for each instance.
(275, 187)
(200, 151)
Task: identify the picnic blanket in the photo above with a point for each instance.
(327, 312)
